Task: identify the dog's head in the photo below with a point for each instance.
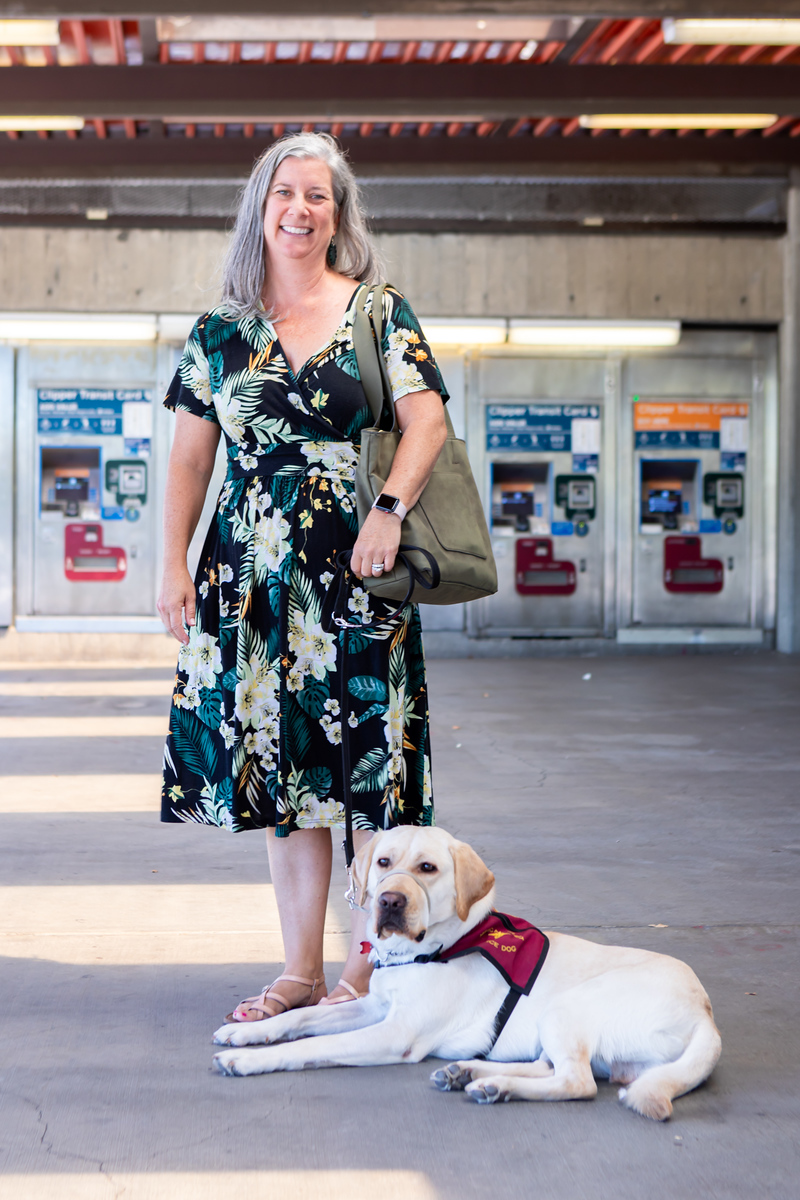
(422, 890)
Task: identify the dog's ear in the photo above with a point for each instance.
(360, 868)
(474, 880)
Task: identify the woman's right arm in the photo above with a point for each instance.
(191, 463)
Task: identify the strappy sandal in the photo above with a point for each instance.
(255, 1003)
(348, 987)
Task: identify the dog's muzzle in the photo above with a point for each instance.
(392, 906)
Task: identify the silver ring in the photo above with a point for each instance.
(378, 568)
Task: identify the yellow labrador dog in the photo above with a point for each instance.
(640, 1019)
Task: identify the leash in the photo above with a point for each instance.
(333, 614)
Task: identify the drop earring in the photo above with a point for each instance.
(332, 252)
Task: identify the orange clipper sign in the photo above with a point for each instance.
(668, 424)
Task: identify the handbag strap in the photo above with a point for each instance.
(372, 370)
(333, 611)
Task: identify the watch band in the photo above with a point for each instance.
(390, 505)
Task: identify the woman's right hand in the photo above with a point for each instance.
(176, 602)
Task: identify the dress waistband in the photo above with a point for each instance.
(273, 462)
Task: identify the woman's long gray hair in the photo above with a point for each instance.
(243, 272)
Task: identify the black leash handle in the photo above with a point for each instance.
(333, 615)
(334, 607)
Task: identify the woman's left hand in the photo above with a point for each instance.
(377, 544)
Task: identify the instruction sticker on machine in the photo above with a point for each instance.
(574, 428)
(93, 410)
(669, 425)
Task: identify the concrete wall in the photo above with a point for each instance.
(697, 278)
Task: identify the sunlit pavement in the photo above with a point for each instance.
(647, 801)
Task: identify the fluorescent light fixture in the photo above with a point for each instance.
(731, 31)
(77, 327)
(29, 33)
(379, 27)
(464, 331)
(24, 124)
(582, 335)
(678, 120)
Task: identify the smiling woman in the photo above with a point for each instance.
(256, 730)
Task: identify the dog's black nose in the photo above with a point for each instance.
(392, 902)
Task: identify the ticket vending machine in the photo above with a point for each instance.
(87, 529)
(543, 464)
(692, 540)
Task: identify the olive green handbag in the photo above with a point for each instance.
(447, 524)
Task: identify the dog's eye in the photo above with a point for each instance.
(428, 868)
(383, 862)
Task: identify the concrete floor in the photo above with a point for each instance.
(646, 801)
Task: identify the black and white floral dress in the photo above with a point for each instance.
(256, 724)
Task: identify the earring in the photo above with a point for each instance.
(332, 252)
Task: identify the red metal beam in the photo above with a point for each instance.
(622, 40)
(79, 38)
(750, 53)
(782, 53)
(649, 47)
(597, 34)
(117, 39)
(715, 53)
(541, 127)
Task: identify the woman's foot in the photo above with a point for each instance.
(343, 992)
(300, 993)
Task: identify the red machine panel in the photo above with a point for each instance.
(87, 560)
(685, 569)
(538, 573)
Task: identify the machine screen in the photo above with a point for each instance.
(82, 563)
(547, 578)
(664, 502)
(517, 504)
(694, 575)
(72, 487)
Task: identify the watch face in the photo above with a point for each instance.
(386, 503)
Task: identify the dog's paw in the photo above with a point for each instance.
(232, 1063)
(244, 1033)
(452, 1078)
(647, 1103)
(486, 1092)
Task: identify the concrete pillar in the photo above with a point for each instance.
(788, 609)
(6, 485)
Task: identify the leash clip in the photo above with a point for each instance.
(350, 894)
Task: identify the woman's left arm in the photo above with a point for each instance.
(420, 416)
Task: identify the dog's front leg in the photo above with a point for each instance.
(313, 1021)
(374, 1046)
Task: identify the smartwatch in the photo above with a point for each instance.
(390, 504)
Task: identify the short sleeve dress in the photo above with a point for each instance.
(256, 724)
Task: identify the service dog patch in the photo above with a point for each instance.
(516, 948)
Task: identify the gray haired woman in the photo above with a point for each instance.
(255, 727)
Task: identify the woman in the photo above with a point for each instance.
(255, 729)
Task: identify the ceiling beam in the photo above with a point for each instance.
(317, 92)
(82, 158)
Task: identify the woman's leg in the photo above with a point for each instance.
(300, 866)
(357, 969)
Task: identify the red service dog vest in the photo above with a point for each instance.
(516, 948)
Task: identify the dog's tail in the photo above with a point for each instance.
(655, 1089)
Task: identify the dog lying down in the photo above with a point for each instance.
(639, 1019)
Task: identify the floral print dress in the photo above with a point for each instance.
(256, 723)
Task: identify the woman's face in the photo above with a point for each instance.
(299, 215)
